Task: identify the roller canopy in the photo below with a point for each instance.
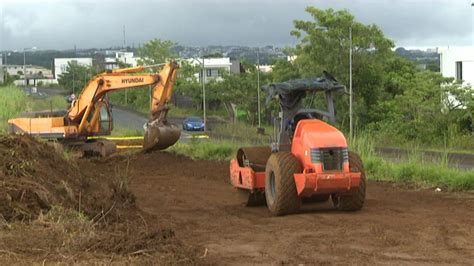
(291, 92)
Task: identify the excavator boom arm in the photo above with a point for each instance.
(128, 78)
(125, 79)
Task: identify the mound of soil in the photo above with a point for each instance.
(53, 202)
(36, 175)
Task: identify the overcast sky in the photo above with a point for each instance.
(61, 24)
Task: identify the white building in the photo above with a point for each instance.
(127, 58)
(458, 62)
(113, 58)
(213, 67)
(31, 71)
(60, 64)
(265, 68)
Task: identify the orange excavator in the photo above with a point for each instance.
(91, 114)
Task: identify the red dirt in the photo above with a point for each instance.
(208, 222)
(397, 225)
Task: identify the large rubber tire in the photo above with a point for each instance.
(280, 188)
(353, 201)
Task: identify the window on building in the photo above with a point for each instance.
(459, 70)
(209, 72)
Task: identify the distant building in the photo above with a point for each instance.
(113, 59)
(265, 68)
(2, 75)
(236, 67)
(31, 71)
(213, 68)
(458, 62)
(126, 58)
(60, 64)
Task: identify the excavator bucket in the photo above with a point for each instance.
(159, 136)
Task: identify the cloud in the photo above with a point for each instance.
(85, 23)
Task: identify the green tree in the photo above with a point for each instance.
(187, 83)
(426, 107)
(153, 52)
(76, 76)
(284, 70)
(156, 51)
(9, 79)
(324, 45)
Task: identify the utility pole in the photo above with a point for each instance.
(123, 47)
(258, 89)
(203, 93)
(350, 84)
(24, 65)
(73, 82)
(472, 18)
(24, 61)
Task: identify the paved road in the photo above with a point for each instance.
(124, 118)
(455, 160)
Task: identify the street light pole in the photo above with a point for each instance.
(24, 65)
(472, 18)
(24, 60)
(258, 89)
(350, 84)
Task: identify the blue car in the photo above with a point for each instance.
(193, 124)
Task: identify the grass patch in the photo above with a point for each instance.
(242, 133)
(12, 104)
(413, 170)
(119, 131)
(206, 150)
(43, 104)
(225, 140)
(453, 143)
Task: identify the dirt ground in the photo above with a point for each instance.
(178, 211)
(398, 225)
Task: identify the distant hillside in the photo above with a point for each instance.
(45, 58)
(424, 59)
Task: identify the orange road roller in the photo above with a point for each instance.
(309, 159)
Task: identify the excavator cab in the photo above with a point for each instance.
(106, 124)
